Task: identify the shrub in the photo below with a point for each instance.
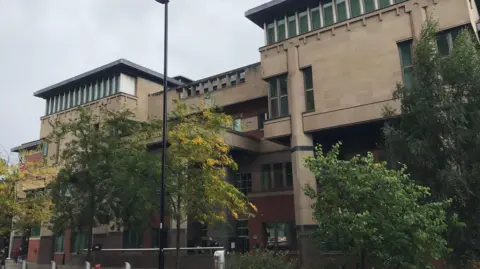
(261, 259)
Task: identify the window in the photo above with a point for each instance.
(303, 22)
(114, 85)
(233, 80)
(315, 17)
(72, 98)
(90, 93)
(54, 108)
(278, 95)
(289, 174)
(369, 5)
(61, 102)
(355, 9)
(96, 90)
(237, 125)
(47, 107)
(384, 3)
(308, 84)
(262, 116)
(215, 84)
(292, 26)
(242, 76)
(243, 182)
(85, 94)
(35, 232)
(328, 12)
(406, 61)
(205, 86)
(281, 30)
(132, 239)
(280, 235)
(79, 241)
(242, 228)
(107, 87)
(399, 1)
(266, 179)
(60, 243)
(224, 82)
(45, 149)
(341, 10)
(270, 33)
(278, 176)
(197, 90)
(446, 40)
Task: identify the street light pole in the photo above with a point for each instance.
(162, 231)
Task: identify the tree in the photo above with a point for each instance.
(436, 135)
(197, 163)
(379, 215)
(106, 174)
(22, 198)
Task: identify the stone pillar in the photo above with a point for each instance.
(418, 15)
(301, 147)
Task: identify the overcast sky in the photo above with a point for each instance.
(43, 42)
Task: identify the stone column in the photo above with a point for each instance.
(301, 147)
(418, 15)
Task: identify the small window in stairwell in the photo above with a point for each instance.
(292, 26)
(308, 85)
(355, 8)
(328, 13)
(242, 76)
(281, 30)
(224, 82)
(369, 5)
(233, 79)
(303, 22)
(341, 7)
(315, 18)
(215, 84)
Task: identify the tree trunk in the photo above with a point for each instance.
(177, 239)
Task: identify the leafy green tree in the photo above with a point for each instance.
(375, 214)
(437, 133)
(106, 174)
(198, 159)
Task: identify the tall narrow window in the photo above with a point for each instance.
(50, 107)
(281, 30)
(292, 26)
(369, 5)
(206, 86)
(64, 101)
(308, 84)
(341, 10)
(266, 179)
(67, 101)
(107, 87)
(270, 33)
(328, 12)
(90, 92)
(59, 243)
(384, 3)
(215, 84)
(242, 76)
(47, 107)
(289, 174)
(315, 17)
(85, 94)
(233, 80)
(224, 82)
(55, 101)
(96, 90)
(355, 9)
(303, 22)
(278, 96)
(237, 125)
(278, 176)
(406, 62)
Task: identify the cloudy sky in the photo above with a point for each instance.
(43, 42)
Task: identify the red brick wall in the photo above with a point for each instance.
(270, 209)
(34, 157)
(33, 247)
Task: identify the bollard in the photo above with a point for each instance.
(87, 265)
(54, 265)
(128, 266)
(24, 265)
(219, 259)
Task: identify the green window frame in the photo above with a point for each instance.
(281, 30)
(132, 239)
(303, 22)
(355, 8)
(266, 177)
(60, 243)
(383, 3)
(406, 61)
(315, 18)
(308, 86)
(341, 7)
(292, 26)
(79, 241)
(328, 13)
(369, 5)
(271, 33)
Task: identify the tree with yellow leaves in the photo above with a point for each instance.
(197, 164)
(22, 195)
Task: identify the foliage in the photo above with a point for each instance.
(21, 193)
(375, 213)
(260, 259)
(106, 177)
(437, 135)
(197, 162)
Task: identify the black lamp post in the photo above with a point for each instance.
(162, 231)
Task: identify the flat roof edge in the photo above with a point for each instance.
(26, 145)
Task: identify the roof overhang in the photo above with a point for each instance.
(275, 9)
(119, 66)
(27, 146)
